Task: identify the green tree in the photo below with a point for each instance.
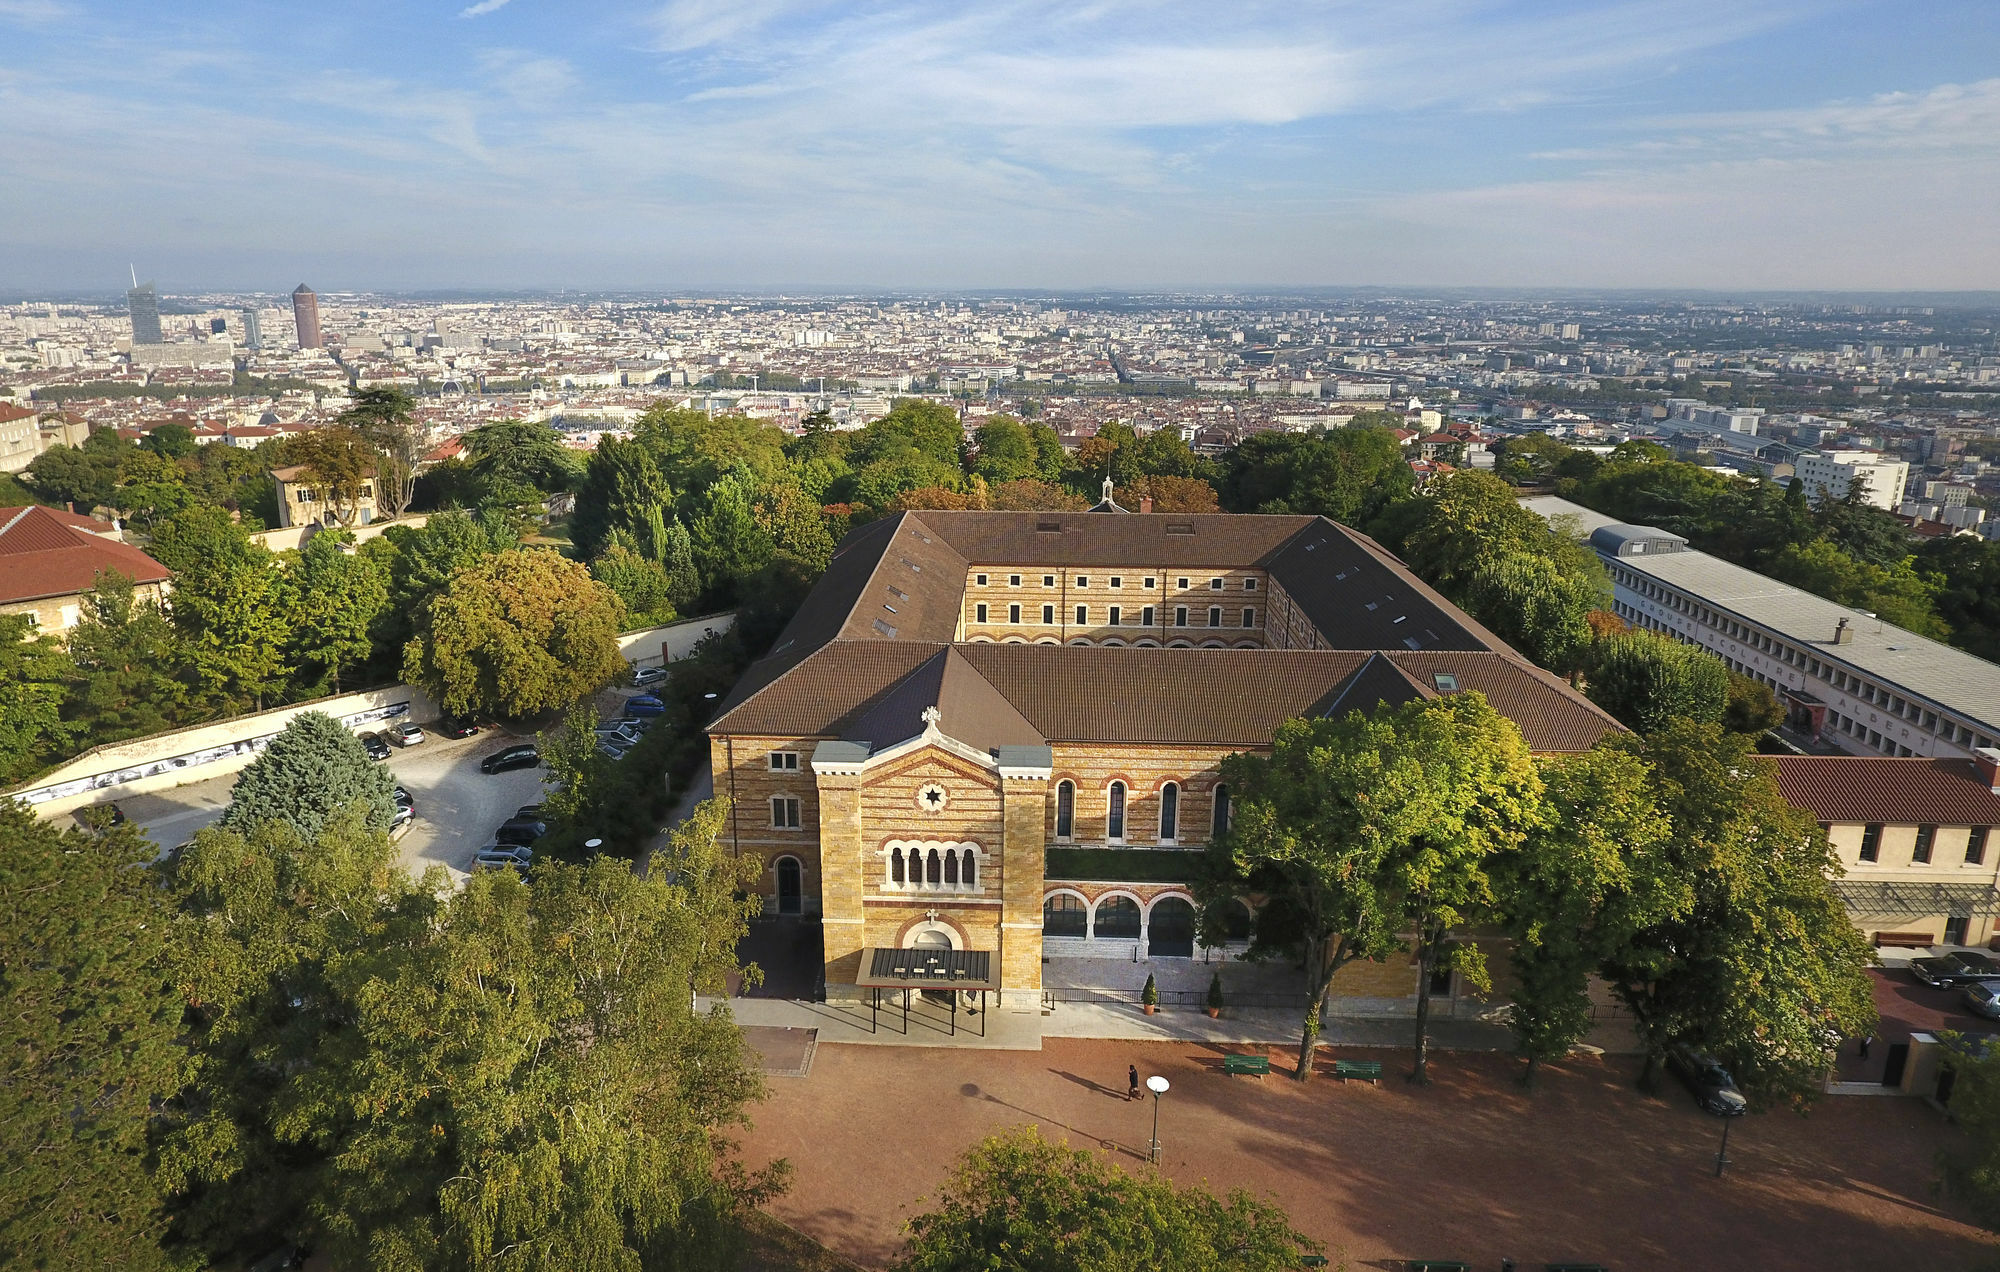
(1349, 475)
(340, 596)
(35, 675)
(927, 428)
(729, 545)
(1540, 604)
(550, 1089)
(341, 461)
(794, 523)
(1004, 451)
(85, 475)
(1968, 597)
(310, 774)
(694, 449)
(517, 452)
(1648, 680)
(422, 560)
(384, 415)
(1895, 593)
(641, 584)
(879, 482)
(1752, 707)
(1034, 495)
(174, 441)
(89, 1045)
(1762, 966)
(1584, 885)
(1357, 829)
(150, 487)
(683, 576)
(1017, 1203)
(265, 922)
(229, 605)
(622, 482)
(125, 655)
(514, 634)
(1971, 1164)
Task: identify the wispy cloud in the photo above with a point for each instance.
(483, 8)
(34, 12)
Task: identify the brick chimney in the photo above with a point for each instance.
(1842, 633)
(1986, 763)
(1145, 503)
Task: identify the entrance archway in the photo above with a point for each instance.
(934, 939)
(791, 892)
(1170, 929)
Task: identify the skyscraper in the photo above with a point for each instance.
(253, 330)
(305, 309)
(145, 305)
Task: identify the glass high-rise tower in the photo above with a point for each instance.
(145, 306)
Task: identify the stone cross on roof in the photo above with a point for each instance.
(931, 717)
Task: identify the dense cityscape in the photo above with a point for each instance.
(671, 636)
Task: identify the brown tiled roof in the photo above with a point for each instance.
(44, 553)
(1868, 788)
(1360, 597)
(817, 695)
(1161, 539)
(970, 709)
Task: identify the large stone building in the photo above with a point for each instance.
(1001, 732)
(50, 562)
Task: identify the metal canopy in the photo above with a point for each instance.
(1916, 899)
(928, 969)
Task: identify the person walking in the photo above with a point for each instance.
(1131, 1081)
(1864, 1045)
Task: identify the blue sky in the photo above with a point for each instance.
(772, 143)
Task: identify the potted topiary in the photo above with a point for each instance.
(1215, 996)
(1149, 997)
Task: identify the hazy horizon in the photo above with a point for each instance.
(762, 146)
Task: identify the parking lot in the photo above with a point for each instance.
(457, 805)
(1907, 1006)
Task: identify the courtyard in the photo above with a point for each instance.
(1471, 1167)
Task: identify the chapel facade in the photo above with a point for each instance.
(1003, 731)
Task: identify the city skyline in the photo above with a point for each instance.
(770, 145)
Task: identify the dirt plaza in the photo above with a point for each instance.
(1472, 1166)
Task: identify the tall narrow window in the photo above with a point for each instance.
(951, 867)
(1146, 616)
(896, 866)
(1975, 845)
(1114, 823)
(934, 869)
(1218, 819)
(1048, 616)
(1115, 612)
(1180, 616)
(1921, 854)
(784, 812)
(1065, 810)
(1082, 615)
(1249, 618)
(1014, 614)
(1170, 812)
(1215, 616)
(1871, 842)
(969, 872)
(979, 613)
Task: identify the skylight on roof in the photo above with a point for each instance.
(1444, 680)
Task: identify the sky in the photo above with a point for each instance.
(1040, 144)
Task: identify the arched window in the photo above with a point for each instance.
(969, 873)
(951, 867)
(1117, 917)
(1065, 810)
(896, 866)
(1219, 820)
(1065, 915)
(1170, 812)
(1236, 922)
(1114, 824)
(934, 869)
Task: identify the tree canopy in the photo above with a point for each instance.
(311, 773)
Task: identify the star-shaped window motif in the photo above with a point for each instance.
(931, 797)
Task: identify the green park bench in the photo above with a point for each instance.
(1255, 1066)
(1439, 1265)
(1358, 1070)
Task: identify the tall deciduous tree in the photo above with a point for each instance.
(518, 452)
(1358, 829)
(125, 656)
(545, 1084)
(310, 774)
(34, 678)
(1762, 966)
(1972, 1161)
(622, 482)
(383, 416)
(1017, 1203)
(1582, 887)
(641, 584)
(339, 599)
(1648, 680)
(89, 1045)
(342, 462)
(516, 633)
(229, 605)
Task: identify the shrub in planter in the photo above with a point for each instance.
(1149, 997)
(1215, 995)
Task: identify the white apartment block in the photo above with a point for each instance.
(1882, 480)
(1844, 677)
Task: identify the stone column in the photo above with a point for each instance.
(1024, 790)
(841, 862)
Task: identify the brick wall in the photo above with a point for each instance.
(1057, 594)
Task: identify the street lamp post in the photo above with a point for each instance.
(1722, 1154)
(1158, 1086)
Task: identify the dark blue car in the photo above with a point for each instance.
(644, 704)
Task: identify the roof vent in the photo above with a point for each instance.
(1842, 633)
(1049, 527)
(1180, 527)
(885, 629)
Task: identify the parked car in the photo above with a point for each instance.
(377, 748)
(522, 755)
(619, 732)
(644, 704)
(529, 810)
(405, 814)
(520, 830)
(647, 677)
(637, 726)
(1948, 971)
(617, 750)
(1704, 1075)
(1983, 997)
(403, 798)
(404, 733)
(456, 727)
(497, 857)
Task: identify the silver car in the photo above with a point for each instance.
(1983, 997)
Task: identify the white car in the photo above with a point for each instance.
(647, 676)
(405, 734)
